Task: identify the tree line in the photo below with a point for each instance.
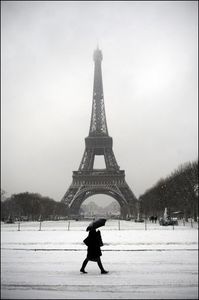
(178, 192)
(31, 207)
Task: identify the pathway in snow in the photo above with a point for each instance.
(132, 275)
(153, 264)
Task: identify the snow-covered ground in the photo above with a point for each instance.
(145, 261)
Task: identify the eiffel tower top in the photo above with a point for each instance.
(97, 55)
(98, 125)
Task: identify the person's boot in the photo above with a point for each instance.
(83, 271)
(83, 266)
(104, 272)
(101, 267)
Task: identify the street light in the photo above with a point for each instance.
(196, 193)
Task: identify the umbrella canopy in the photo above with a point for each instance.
(96, 224)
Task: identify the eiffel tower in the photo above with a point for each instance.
(88, 181)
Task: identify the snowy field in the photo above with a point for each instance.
(145, 261)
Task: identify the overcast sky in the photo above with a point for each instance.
(150, 82)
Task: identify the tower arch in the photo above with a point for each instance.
(100, 205)
(86, 192)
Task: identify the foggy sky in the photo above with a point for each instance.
(149, 71)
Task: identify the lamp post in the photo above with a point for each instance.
(196, 193)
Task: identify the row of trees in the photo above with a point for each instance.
(31, 206)
(177, 192)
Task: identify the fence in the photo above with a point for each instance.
(82, 225)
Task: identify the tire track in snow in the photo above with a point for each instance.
(107, 250)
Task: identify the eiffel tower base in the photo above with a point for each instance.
(89, 183)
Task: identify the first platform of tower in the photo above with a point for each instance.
(97, 55)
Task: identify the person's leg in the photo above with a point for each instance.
(101, 266)
(84, 265)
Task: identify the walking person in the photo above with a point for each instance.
(93, 242)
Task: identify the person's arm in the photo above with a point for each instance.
(100, 239)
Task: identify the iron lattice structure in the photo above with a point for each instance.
(88, 181)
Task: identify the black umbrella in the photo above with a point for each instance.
(96, 224)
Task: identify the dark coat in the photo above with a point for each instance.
(94, 242)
